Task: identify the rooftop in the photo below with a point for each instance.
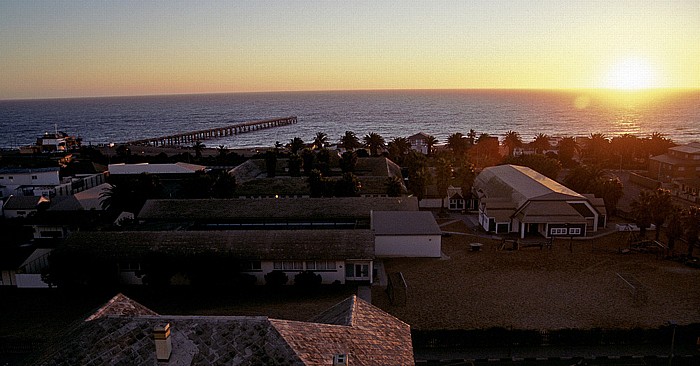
(28, 170)
(176, 168)
(404, 223)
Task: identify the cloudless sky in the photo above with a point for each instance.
(92, 48)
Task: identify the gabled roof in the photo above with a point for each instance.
(270, 209)
(24, 202)
(521, 184)
(404, 223)
(550, 212)
(691, 148)
(419, 136)
(241, 244)
(120, 305)
(121, 333)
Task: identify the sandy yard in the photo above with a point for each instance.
(542, 288)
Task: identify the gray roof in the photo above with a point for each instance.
(404, 223)
(121, 333)
(23, 202)
(242, 244)
(520, 184)
(691, 148)
(28, 170)
(271, 209)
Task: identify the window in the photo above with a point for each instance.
(558, 231)
(289, 265)
(34, 177)
(320, 266)
(129, 266)
(574, 231)
(681, 168)
(251, 266)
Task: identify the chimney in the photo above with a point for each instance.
(340, 359)
(164, 347)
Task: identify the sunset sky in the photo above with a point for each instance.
(96, 48)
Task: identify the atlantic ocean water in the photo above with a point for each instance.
(389, 113)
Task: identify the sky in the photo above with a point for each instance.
(99, 48)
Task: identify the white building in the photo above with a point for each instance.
(406, 234)
(28, 181)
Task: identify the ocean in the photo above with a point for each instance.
(389, 113)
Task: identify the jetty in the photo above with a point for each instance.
(190, 137)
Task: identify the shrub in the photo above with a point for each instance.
(307, 280)
(276, 278)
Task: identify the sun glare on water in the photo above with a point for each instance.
(631, 74)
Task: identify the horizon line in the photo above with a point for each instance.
(589, 89)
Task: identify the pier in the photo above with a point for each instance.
(191, 137)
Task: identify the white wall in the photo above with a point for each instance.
(327, 277)
(433, 203)
(408, 246)
(8, 278)
(30, 280)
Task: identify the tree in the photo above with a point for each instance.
(323, 161)
(398, 148)
(611, 190)
(443, 174)
(466, 176)
(295, 145)
(541, 143)
(691, 223)
(319, 186)
(307, 281)
(271, 163)
(350, 141)
(276, 278)
(347, 186)
(512, 141)
(642, 207)
(222, 153)
(657, 144)
(567, 147)
(348, 161)
(224, 185)
(393, 186)
(597, 148)
(662, 206)
(374, 142)
(674, 230)
(430, 142)
(130, 195)
(295, 164)
(458, 144)
(320, 140)
(418, 180)
(546, 166)
(198, 148)
(308, 158)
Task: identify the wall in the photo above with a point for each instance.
(327, 277)
(30, 280)
(8, 278)
(408, 246)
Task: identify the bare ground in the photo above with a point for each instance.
(542, 288)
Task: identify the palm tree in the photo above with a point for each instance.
(541, 143)
(657, 144)
(348, 161)
(458, 144)
(642, 206)
(393, 186)
(321, 140)
(611, 190)
(374, 142)
(512, 141)
(198, 148)
(443, 174)
(471, 137)
(662, 206)
(568, 147)
(691, 222)
(398, 147)
(597, 148)
(295, 145)
(350, 141)
(431, 141)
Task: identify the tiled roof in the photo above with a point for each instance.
(242, 244)
(373, 337)
(270, 209)
(370, 337)
(121, 305)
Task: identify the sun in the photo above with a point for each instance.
(631, 74)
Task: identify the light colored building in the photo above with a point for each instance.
(28, 181)
(680, 166)
(337, 255)
(516, 199)
(419, 142)
(406, 234)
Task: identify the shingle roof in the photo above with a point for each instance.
(549, 211)
(243, 244)
(404, 223)
(176, 168)
(24, 202)
(116, 337)
(267, 208)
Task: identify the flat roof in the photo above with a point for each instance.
(404, 223)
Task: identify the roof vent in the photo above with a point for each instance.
(164, 347)
(340, 359)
